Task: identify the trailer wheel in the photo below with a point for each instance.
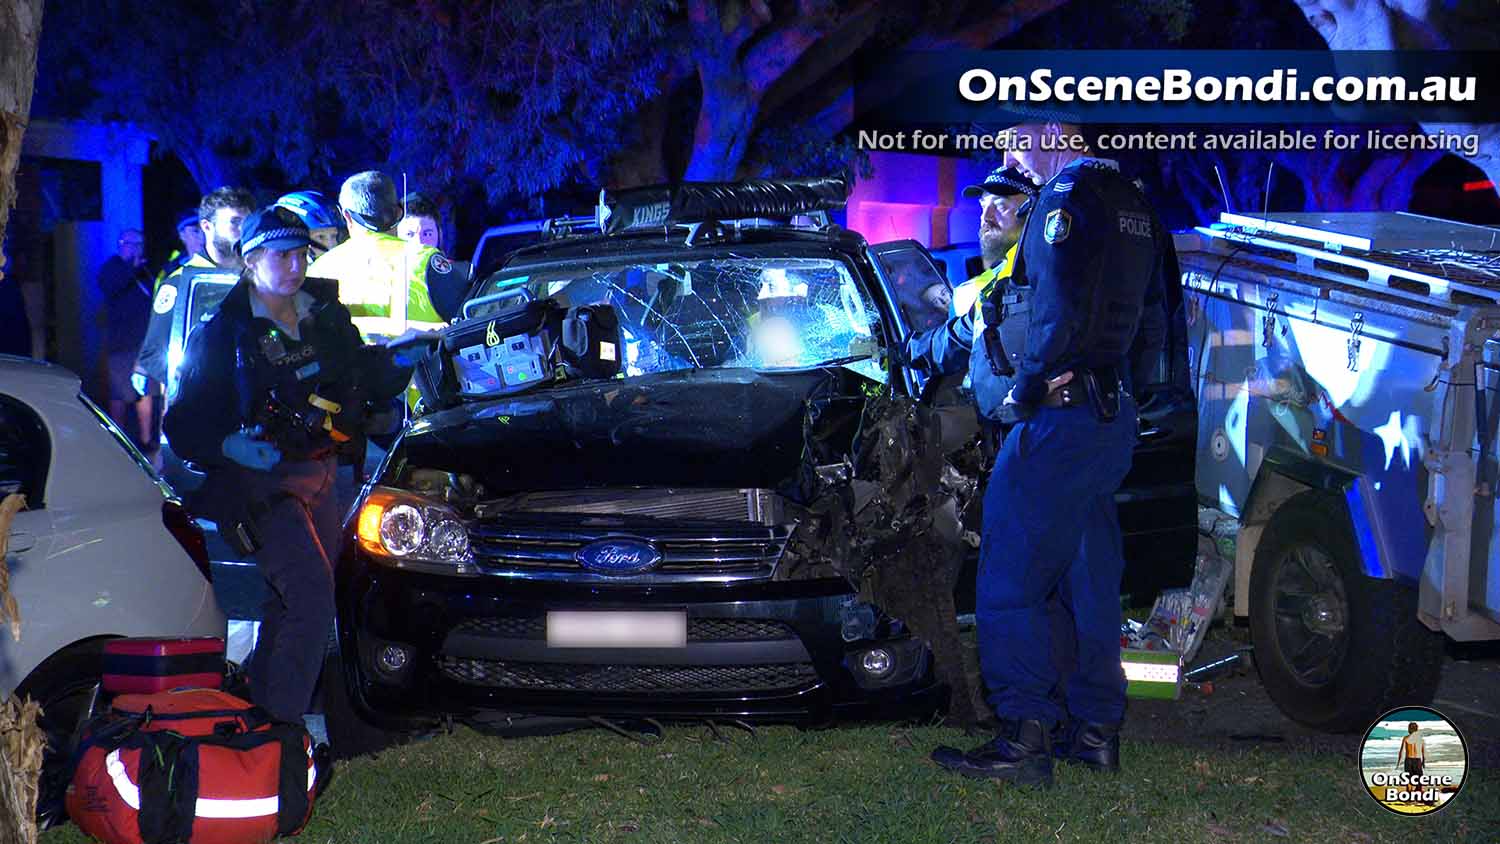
(1334, 647)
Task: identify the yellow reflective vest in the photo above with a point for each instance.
(383, 283)
(967, 295)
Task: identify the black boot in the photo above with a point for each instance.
(1021, 753)
(1096, 746)
(323, 762)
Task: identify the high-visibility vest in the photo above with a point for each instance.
(966, 297)
(175, 262)
(383, 283)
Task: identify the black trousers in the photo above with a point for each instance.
(297, 521)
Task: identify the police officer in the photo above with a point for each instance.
(422, 228)
(191, 239)
(423, 223)
(1082, 320)
(385, 285)
(324, 225)
(270, 386)
(1004, 199)
(220, 214)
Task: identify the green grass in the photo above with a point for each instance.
(853, 784)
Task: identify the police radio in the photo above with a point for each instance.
(297, 427)
(290, 413)
(994, 347)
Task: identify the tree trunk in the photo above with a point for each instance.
(725, 122)
(20, 748)
(746, 79)
(644, 162)
(1339, 181)
(208, 168)
(1414, 25)
(20, 31)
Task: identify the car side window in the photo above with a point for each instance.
(25, 452)
(918, 286)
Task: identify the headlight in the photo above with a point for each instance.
(407, 530)
(402, 530)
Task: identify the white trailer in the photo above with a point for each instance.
(1347, 371)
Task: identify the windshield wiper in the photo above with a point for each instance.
(848, 359)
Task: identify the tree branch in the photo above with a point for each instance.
(708, 25)
(1005, 20)
(835, 48)
(773, 55)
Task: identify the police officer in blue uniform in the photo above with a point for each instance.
(944, 349)
(271, 385)
(1082, 320)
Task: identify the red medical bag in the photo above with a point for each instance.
(144, 666)
(192, 765)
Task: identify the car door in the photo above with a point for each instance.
(906, 272)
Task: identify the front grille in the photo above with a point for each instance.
(550, 543)
(738, 630)
(698, 629)
(728, 505)
(628, 679)
(505, 628)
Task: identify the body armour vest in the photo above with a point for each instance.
(1088, 253)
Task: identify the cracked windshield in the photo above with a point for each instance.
(776, 313)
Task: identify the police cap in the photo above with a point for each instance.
(273, 227)
(1002, 181)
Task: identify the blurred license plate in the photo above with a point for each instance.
(587, 629)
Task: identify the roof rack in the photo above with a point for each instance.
(1409, 256)
(557, 227)
(704, 206)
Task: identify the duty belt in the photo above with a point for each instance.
(1071, 394)
(1099, 388)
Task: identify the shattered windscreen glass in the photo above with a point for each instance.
(718, 311)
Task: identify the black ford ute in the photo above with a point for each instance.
(615, 501)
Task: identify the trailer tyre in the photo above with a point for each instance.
(1334, 647)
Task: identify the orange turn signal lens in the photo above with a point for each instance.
(404, 529)
(369, 524)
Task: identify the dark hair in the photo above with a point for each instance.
(225, 197)
(418, 205)
(370, 197)
(1412, 727)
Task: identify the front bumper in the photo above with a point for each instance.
(475, 648)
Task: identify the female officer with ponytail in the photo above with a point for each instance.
(270, 387)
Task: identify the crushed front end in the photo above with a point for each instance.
(495, 526)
